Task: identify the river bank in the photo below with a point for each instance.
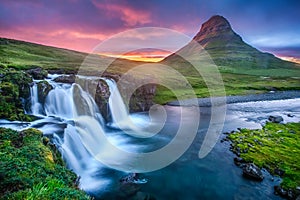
(206, 102)
(275, 148)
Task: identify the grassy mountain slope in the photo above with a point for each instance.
(244, 69)
(25, 55)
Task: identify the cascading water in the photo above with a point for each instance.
(71, 117)
(75, 126)
(119, 111)
(36, 106)
(59, 101)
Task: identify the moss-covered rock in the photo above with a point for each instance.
(43, 89)
(21, 79)
(37, 72)
(14, 93)
(276, 147)
(29, 170)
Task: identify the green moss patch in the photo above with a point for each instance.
(30, 170)
(14, 87)
(276, 147)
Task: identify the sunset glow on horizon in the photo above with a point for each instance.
(82, 25)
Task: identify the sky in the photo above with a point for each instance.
(81, 25)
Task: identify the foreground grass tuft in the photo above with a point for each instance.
(276, 147)
(30, 170)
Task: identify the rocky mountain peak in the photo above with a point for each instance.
(217, 26)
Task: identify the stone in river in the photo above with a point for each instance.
(275, 119)
(250, 170)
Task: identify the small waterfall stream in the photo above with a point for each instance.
(36, 106)
(76, 108)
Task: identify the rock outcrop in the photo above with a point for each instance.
(101, 98)
(66, 79)
(251, 171)
(275, 119)
(37, 73)
(43, 89)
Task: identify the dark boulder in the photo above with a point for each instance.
(238, 161)
(275, 119)
(279, 172)
(251, 171)
(101, 98)
(66, 79)
(278, 190)
(43, 89)
(288, 194)
(37, 73)
(129, 185)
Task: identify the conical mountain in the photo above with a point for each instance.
(228, 50)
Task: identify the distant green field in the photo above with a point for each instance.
(240, 74)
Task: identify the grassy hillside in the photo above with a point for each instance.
(240, 74)
(25, 55)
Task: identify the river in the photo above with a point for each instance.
(75, 131)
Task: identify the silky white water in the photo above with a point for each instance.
(72, 119)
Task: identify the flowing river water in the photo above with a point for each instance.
(74, 125)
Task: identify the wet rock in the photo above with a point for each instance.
(278, 190)
(133, 178)
(66, 79)
(101, 98)
(251, 171)
(129, 185)
(288, 194)
(279, 172)
(37, 73)
(224, 140)
(43, 89)
(239, 161)
(290, 115)
(141, 98)
(275, 119)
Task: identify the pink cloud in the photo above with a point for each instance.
(62, 38)
(130, 16)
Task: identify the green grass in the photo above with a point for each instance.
(243, 70)
(30, 169)
(25, 55)
(276, 146)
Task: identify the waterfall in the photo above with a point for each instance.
(121, 119)
(70, 101)
(118, 110)
(36, 106)
(59, 101)
(85, 141)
